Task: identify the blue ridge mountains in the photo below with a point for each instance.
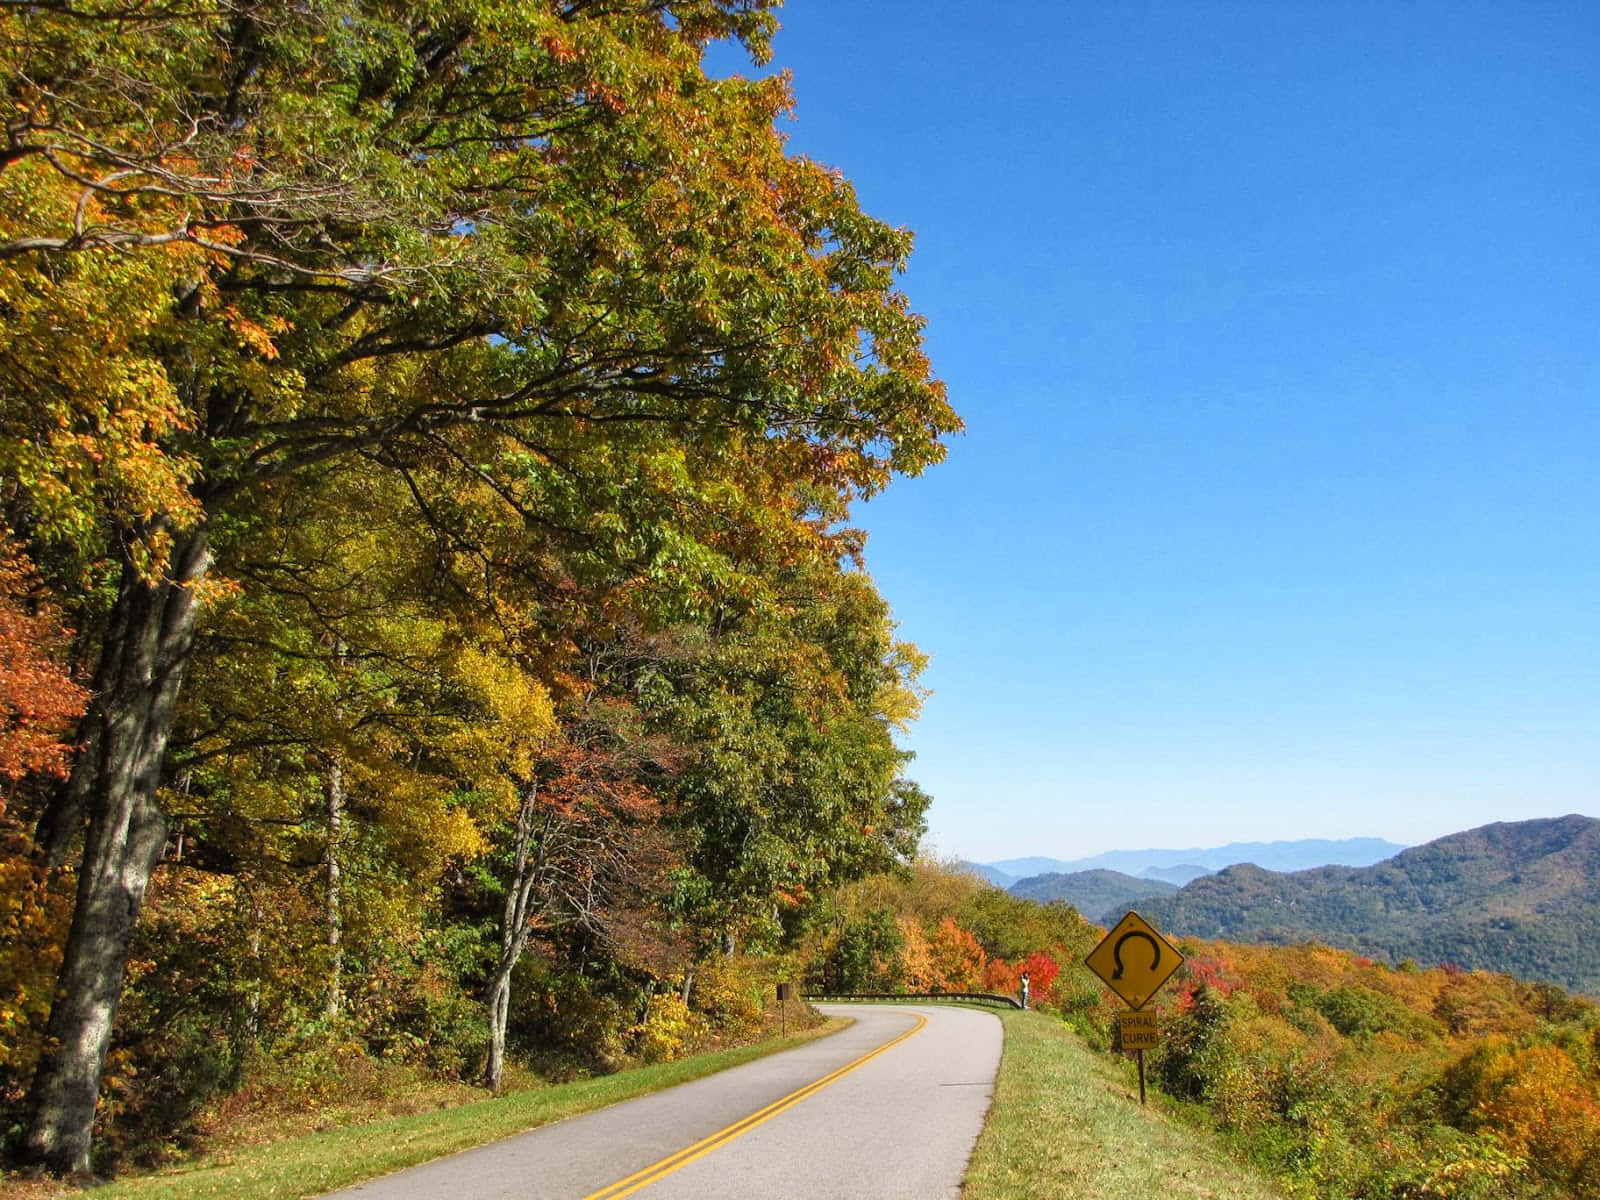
(1180, 866)
(1520, 897)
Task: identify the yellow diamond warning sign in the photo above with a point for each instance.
(1134, 960)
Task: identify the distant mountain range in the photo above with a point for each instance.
(1520, 897)
(1178, 867)
(1177, 876)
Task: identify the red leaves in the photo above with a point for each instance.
(1042, 973)
(38, 701)
(558, 48)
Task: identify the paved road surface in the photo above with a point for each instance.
(805, 1123)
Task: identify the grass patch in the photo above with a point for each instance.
(1066, 1123)
(321, 1162)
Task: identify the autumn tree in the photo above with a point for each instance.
(574, 782)
(39, 702)
(798, 782)
(534, 244)
(958, 961)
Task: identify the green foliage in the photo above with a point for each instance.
(867, 956)
(1358, 1012)
(575, 1020)
(1010, 927)
(1067, 1122)
(1103, 895)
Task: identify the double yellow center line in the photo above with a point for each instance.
(673, 1162)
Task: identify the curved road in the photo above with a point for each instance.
(887, 1109)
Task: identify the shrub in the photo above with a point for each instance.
(668, 1027)
(731, 991)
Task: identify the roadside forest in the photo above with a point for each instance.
(1345, 1078)
(432, 635)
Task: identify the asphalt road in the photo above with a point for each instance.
(887, 1109)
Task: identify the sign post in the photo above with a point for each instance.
(785, 990)
(1138, 1031)
(1134, 961)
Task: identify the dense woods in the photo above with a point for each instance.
(432, 624)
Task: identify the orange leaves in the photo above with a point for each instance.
(558, 48)
(1541, 1108)
(256, 335)
(1002, 977)
(957, 960)
(38, 702)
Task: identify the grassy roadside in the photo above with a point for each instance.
(1066, 1125)
(320, 1162)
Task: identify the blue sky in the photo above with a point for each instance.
(1276, 329)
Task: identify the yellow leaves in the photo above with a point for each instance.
(916, 958)
(88, 414)
(448, 832)
(899, 702)
(33, 921)
(1478, 1168)
(667, 1026)
(1542, 1109)
(514, 718)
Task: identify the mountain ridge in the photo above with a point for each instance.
(1521, 897)
(1289, 855)
(1093, 893)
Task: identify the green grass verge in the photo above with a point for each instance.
(1066, 1124)
(322, 1162)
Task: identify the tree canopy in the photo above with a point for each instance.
(421, 408)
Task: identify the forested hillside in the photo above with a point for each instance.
(1093, 893)
(431, 629)
(1521, 897)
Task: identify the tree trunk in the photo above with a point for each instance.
(499, 1014)
(252, 1009)
(124, 737)
(527, 874)
(334, 1001)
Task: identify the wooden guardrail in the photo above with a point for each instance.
(972, 997)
